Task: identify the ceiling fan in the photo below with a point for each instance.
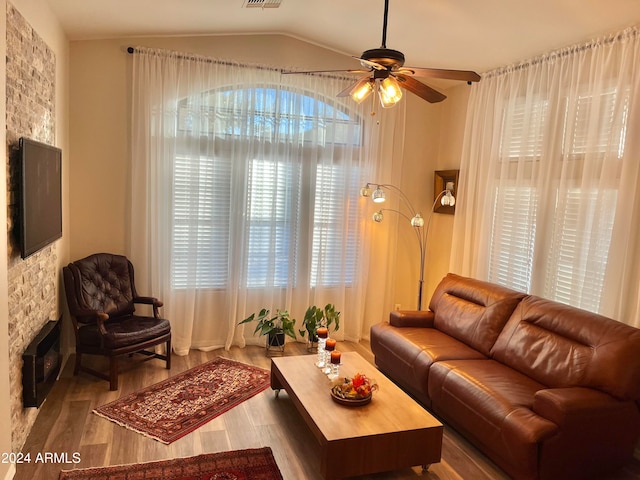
(385, 72)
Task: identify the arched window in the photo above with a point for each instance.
(263, 180)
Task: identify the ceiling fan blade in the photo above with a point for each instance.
(420, 89)
(464, 75)
(369, 63)
(288, 72)
(358, 83)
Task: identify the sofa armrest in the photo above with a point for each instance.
(578, 405)
(523, 426)
(411, 318)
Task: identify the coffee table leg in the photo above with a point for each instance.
(276, 380)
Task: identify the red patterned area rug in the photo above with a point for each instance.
(177, 406)
(252, 464)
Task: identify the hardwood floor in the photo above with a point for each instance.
(66, 426)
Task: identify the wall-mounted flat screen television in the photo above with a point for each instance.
(40, 206)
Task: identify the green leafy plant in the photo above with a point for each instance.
(267, 324)
(316, 317)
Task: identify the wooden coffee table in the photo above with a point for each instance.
(391, 432)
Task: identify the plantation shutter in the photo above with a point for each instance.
(594, 139)
(515, 210)
(596, 127)
(523, 130)
(512, 245)
(200, 243)
(581, 208)
(273, 210)
(334, 236)
(580, 248)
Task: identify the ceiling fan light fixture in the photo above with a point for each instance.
(362, 90)
(384, 68)
(390, 92)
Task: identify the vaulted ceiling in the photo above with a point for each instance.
(459, 34)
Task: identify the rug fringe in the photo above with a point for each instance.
(129, 427)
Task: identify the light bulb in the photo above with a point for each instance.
(378, 195)
(365, 191)
(377, 216)
(362, 90)
(417, 221)
(390, 92)
(448, 200)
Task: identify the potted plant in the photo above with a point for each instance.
(316, 317)
(275, 327)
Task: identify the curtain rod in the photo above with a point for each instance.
(594, 43)
(188, 56)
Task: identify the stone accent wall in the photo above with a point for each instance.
(31, 69)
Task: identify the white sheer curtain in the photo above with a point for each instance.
(550, 185)
(245, 195)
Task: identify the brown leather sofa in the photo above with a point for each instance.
(545, 390)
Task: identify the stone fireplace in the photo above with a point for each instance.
(33, 299)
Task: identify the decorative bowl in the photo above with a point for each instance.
(354, 391)
(351, 402)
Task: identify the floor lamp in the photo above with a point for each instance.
(416, 220)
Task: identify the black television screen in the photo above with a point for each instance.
(40, 196)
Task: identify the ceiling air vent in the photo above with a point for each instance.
(262, 3)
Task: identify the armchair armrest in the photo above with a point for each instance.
(412, 318)
(84, 314)
(150, 301)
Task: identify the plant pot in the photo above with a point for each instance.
(275, 340)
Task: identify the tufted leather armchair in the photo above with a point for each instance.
(101, 296)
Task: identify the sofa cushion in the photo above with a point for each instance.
(562, 346)
(472, 311)
(491, 404)
(406, 354)
(124, 332)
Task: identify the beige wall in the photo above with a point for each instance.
(99, 132)
(433, 142)
(423, 129)
(449, 157)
